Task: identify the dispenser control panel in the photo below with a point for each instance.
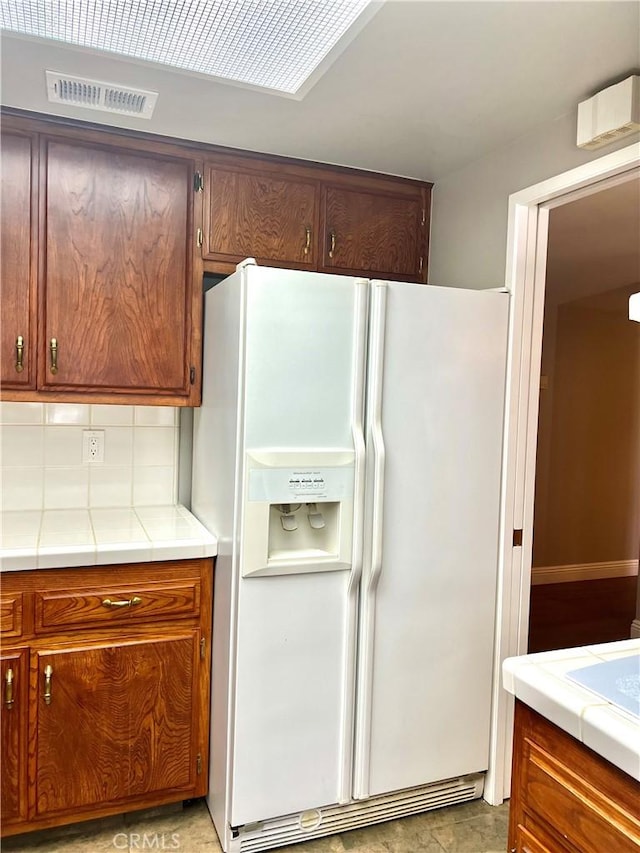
(304, 484)
(307, 482)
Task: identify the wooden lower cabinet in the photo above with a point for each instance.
(109, 718)
(14, 717)
(564, 797)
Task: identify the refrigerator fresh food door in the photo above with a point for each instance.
(300, 491)
(435, 408)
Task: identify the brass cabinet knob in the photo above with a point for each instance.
(332, 243)
(8, 689)
(307, 244)
(53, 348)
(48, 673)
(19, 354)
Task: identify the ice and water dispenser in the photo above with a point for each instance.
(298, 514)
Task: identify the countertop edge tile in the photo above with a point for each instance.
(540, 682)
(60, 554)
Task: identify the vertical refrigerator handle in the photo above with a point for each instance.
(358, 368)
(372, 562)
(376, 368)
(357, 422)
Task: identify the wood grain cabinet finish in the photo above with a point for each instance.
(10, 614)
(116, 262)
(18, 259)
(106, 235)
(110, 693)
(13, 722)
(301, 215)
(374, 232)
(119, 283)
(565, 798)
(271, 217)
(116, 721)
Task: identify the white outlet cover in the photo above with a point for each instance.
(92, 445)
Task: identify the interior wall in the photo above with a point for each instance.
(587, 504)
(470, 206)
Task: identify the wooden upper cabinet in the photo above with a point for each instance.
(269, 216)
(18, 260)
(116, 290)
(375, 231)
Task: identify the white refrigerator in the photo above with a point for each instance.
(347, 454)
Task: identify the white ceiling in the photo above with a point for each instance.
(424, 89)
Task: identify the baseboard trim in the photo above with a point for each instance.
(583, 572)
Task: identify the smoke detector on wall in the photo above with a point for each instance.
(611, 114)
(98, 95)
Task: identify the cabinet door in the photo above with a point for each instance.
(117, 281)
(18, 260)
(115, 721)
(14, 715)
(260, 215)
(374, 233)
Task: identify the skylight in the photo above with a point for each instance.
(272, 44)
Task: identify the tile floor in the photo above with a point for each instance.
(468, 828)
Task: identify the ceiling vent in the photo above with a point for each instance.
(611, 114)
(98, 95)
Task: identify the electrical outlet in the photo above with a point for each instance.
(93, 445)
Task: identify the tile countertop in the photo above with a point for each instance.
(96, 537)
(541, 682)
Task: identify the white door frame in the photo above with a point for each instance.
(525, 278)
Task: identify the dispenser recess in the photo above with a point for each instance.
(298, 512)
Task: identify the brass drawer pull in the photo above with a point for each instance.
(8, 689)
(53, 348)
(332, 243)
(127, 602)
(48, 673)
(19, 354)
(307, 244)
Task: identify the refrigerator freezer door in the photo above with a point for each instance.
(427, 617)
(291, 739)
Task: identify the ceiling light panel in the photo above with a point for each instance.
(273, 44)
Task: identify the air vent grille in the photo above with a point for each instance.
(98, 95)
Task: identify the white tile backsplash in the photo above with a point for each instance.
(165, 416)
(42, 464)
(62, 446)
(112, 415)
(68, 413)
(22, 446)
(154, 485)
(66, 487)
(110, 486)
(155, 445)
(22, 488)
(118, 447)
(21, 413)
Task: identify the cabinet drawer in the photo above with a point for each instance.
(11, 614)
(120, 604)
(577, 810)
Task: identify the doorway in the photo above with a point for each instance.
(528, 223)
(586, 528)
